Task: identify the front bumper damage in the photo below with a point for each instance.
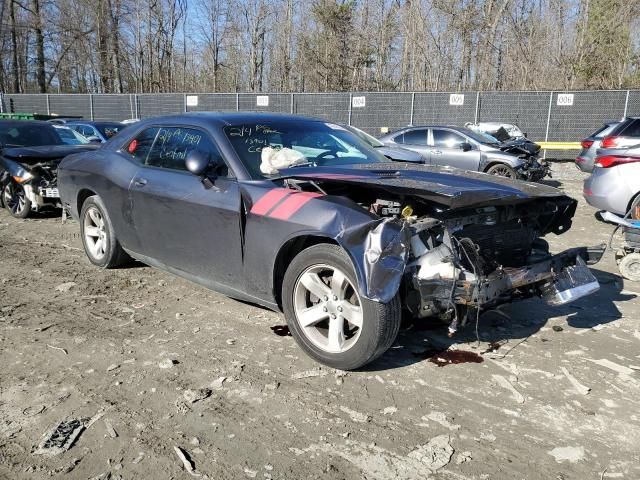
(559, 279)
(534, 169)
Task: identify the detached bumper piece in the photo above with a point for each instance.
(570, 284)
(560, 279)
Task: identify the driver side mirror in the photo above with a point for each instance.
(197, 162)
(466, 146)
(94, 139)
(200, 165)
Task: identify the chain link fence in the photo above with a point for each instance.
(544, 116)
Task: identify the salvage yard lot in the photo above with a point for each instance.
(132, 348)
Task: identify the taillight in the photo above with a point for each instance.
(615, 141)
(608, 161)
(586, 144)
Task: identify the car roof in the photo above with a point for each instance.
(229, 118)
(24, 122)
(91, 122)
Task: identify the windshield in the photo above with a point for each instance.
(481, 137)
(108, 130)
(28, 135)
(264, 148)
(71, 137)
(364, 136)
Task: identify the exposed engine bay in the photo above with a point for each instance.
(460, 261)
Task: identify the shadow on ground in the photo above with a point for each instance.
(506, 327)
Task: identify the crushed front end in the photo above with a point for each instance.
(480, 258)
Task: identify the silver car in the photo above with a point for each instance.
(463, 148)
(590, 146)
(615, 181)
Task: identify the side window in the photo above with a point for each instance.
(399, 138)
(447, 139)
(172, 144)
(85, 130)
(416, 137)
(632, 129)
(140, 146)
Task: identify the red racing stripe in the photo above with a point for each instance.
(269, 200)
(292, 204)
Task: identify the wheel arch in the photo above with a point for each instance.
(83, 194)
(288, 252)
(634, 199)
(493, 162)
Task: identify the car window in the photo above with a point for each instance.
(447, 139)
(398, 138)
(604, 130)
(108, 130)
(630, 128)
(28, 134)
(265, 148)
(84, 130)
(173, 144)
(416, 137)
(140, 146)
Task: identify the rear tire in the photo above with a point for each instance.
(98, 238)
(15, 200)
(318, 290)
(502, 170)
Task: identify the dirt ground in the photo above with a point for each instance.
(556, 395)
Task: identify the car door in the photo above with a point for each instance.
(415, 139)
(182, 224)
(450, 148)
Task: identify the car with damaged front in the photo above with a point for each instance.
(301, 216)
(460, 147)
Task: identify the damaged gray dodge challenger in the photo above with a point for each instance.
(301, 216)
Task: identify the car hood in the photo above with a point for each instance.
(400, 154)
(45, 153)
(448, 186)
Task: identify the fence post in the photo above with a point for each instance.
(48, 105)
(184, 101)
(546, 133)
(292, 112)
(350, 106)
(477, 115)
(135, 105)
(626, 105)
(91, 107)
(237, 102)
(1, 102)
(413, 103)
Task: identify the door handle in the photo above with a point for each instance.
(436, 152)
(140, 182)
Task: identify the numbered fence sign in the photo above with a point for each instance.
(192, 100)
(565, 100)
(262, 100)
(456, 99)
(358, 102)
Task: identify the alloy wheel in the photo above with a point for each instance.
(95, 235)
(328, 308)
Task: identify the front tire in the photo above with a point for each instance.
(502, 170)
(327, 316)
(98, 238)
(14, 197)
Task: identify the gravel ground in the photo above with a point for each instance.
(156, 362)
